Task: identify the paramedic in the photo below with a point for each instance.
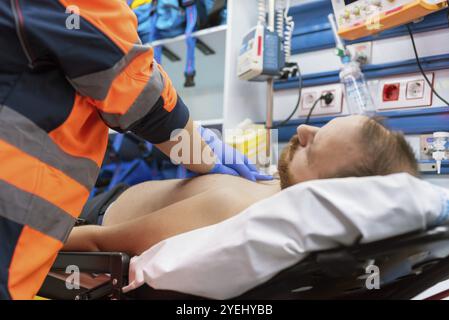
(61, 87)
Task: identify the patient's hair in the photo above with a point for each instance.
(384, 152)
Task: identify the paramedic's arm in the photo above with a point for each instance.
(189, 139)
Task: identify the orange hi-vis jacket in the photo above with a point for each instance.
(69, 69)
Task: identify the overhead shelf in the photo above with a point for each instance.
(205, 100)
(197, 34)
(209, 68)
(211, 122)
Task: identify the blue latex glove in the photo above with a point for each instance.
(229, 160)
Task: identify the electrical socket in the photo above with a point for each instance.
(391, 92)
(329, 105)
(310, 95)
(415, 89)
(308, 99)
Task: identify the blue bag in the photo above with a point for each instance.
(144, 20)
(171, 19)
(162, 19)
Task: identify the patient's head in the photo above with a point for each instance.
(353, 146)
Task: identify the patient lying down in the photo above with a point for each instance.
(148, 213)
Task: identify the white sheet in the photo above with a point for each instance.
(225, 260)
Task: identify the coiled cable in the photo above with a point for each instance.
(288, 34)
(280, 18)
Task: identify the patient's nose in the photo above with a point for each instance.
(306, 134)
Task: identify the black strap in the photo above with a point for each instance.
(99, 204)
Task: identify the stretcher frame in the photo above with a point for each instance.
(408, 265)
(115, 264)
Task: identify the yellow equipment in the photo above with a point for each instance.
(360, 18)
(138, 3)
(251, 140)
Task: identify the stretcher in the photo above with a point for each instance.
(408, 265)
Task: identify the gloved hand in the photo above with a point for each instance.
(229, 160)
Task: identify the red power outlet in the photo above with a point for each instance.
(391, 92)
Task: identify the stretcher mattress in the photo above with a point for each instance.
(227, 259)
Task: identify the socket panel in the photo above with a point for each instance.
(310, 95)
(404, 92)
